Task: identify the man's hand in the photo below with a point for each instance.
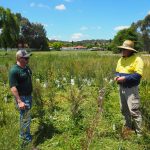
(115, 79)
(120, 79)
(21, 105)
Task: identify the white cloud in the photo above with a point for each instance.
(148, 12)
(77, 36)
(55, 37)
(43, 6)
(83, 28)
(121, 28)
(40, 5)
(60, 7)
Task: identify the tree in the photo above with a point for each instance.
(139, 32)
(9, 28)
(39, 40)
(1, 17)
(25, 36)
(57, 45)
(143, 27)
(121, 36)
(13, 26)
(32, 34)
(15, 29)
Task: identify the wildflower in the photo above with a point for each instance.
(114, 127)
(89, 83)
(57, 82)
(64, 79)
(111, 81)
(105, 79)
(4, 85)
(37, 80)
(72, 82)
(5, 99)
(100, 97)
(85, 80)
(45, 85)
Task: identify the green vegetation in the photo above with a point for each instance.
(138, 32)
(17, 31)
(68, 110)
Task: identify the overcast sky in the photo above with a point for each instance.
(80, 19)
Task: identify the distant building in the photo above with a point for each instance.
(79, 47)
(74, 48)
(67, 48)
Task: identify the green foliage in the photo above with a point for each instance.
(66, 113)
(9, 29)
(33, 34)
(15, 29)
(57, 45)
(138, 32)
(142, 27)
(145, 102)
(123, 35)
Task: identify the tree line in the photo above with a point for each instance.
(57, 45)
(139, 32)
(17, 31)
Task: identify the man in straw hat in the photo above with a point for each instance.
(21, 87)
(129, 71)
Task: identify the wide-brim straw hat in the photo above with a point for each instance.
(129, 45)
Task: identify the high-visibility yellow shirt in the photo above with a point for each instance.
(130, 65)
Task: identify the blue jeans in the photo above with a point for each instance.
(25, 119)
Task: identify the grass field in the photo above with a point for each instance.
(69, 112)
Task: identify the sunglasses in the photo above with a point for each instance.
(26, 58)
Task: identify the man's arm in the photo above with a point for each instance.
(20, 103)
